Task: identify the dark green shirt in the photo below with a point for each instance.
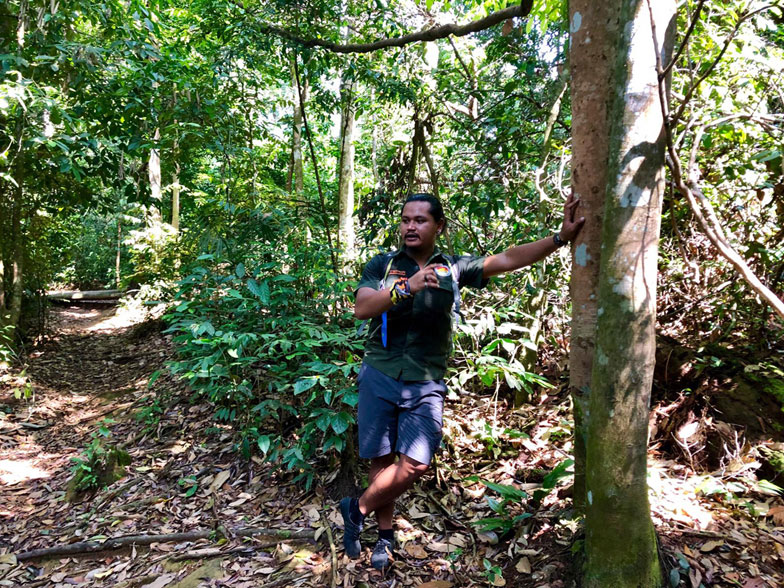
(419, 330)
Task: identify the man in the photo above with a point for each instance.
(409, 295)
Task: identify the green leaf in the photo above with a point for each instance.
(340, 422)
(264, 443)
(259, 290)
(304, 384)
(240, 270)
(154, 376)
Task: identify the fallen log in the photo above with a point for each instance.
(85, 294)
(120, 542)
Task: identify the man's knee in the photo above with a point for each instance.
(413, 468)
(379, 464)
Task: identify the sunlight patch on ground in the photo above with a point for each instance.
(15, 471)
(677, 498)
(121, 319)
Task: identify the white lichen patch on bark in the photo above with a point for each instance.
(577, 21)
(581, 255)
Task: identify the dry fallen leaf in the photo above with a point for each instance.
(777, 514)
(711, 545)
(219, 481)
(523, 566)
(160, 581)
(417, 551)
(437, 584)
(458, 540)
(441, 547)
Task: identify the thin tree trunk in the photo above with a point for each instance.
(620, 540)
(154, 175)
(118, 278)
(374, 158)
(322, 200)
(296, 138)
(415, 142)
(17, 249)
(346, 235)
(175, 218)
(436, 191)
(594, 28)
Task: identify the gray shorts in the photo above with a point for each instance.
(398, 416)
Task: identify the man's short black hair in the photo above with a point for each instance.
(436, 210)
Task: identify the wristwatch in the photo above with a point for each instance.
(558, 241)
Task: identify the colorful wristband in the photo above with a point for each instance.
(400, 290)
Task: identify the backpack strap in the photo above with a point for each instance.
(363, 325)
(455, 271)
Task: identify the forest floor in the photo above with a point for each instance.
(716, 529)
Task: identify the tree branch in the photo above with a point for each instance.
(431, 34)
(698, 203)
(690, 30)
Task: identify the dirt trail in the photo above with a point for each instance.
(91, 368)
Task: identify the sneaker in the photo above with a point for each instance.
(351, 530)
(381, 553)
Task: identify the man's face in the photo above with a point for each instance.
(418, 228)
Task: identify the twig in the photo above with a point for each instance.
(331, 539)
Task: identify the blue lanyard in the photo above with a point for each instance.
(384, 329)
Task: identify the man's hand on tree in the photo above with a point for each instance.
(571, 226)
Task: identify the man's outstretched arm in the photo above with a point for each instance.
(529, 253)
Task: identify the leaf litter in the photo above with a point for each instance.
(185, 477)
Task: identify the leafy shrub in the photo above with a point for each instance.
(264, 334)
(100, 464)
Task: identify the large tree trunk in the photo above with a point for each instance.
(346, 234)
(594, 28)
(620, 540)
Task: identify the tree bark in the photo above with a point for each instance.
(346, 235)
(594, 28)
(620, 540)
